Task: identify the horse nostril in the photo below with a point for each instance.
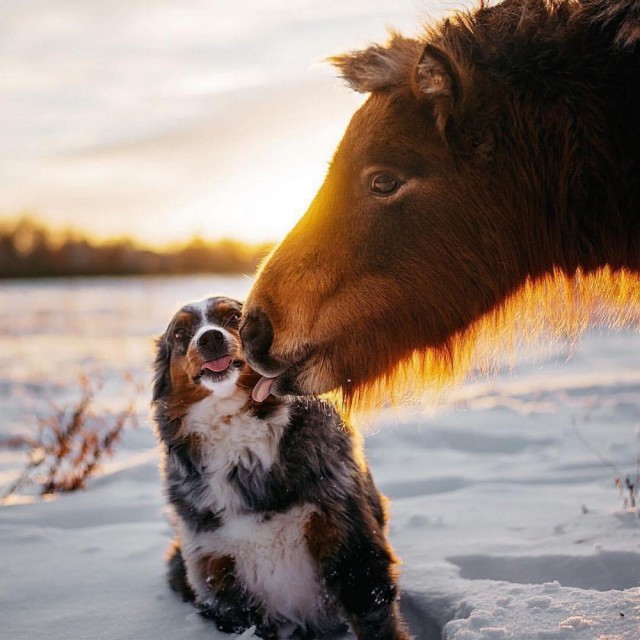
(211, 339)
(257, 332)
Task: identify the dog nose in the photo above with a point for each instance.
(256, 332)
(211, 339)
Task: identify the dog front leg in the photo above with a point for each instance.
(220, 597)
(365, 585)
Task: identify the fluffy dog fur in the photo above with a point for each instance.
(278, 521)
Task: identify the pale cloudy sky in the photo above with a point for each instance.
(162, 118)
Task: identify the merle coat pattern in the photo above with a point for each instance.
(268, 497)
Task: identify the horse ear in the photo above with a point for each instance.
(377, 67)
(436, 75)
(162, 376)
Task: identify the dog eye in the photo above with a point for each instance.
(180, 334)
(234, 317)
(383, 184)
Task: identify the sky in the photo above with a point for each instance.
(160, 119)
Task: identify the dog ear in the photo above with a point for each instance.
(162, 377)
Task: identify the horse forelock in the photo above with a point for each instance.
(494, 36)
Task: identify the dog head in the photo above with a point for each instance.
(200, 352)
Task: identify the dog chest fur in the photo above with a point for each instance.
(271, 559)
(270, 551)
(229, 437)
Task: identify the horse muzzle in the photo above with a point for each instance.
(256, 333)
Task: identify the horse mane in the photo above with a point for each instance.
(512, 40)
(554, 309)
(537, 40)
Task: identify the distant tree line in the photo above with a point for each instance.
(29, 249)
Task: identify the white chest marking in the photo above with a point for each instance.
(228, 437)
(271, 559)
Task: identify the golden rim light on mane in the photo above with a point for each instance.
(555, 308)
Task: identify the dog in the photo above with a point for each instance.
(279, 524)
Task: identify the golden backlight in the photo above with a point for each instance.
(157, 120)
(557, 308)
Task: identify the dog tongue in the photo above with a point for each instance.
(221, 364)
(262, 390)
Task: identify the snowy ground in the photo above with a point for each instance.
(504, 509)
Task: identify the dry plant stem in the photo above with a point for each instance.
(64, 435)
(70, 448)
(24, 478)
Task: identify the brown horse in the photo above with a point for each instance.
(488, 189)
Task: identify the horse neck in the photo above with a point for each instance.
(580, 205)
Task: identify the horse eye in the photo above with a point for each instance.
(384, 184)
(179, 334)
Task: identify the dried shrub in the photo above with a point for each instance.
(69, 447)
(628, 488)
(627, 484)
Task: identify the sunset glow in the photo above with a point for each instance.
(159, 120)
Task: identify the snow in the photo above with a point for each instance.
(505, 510)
